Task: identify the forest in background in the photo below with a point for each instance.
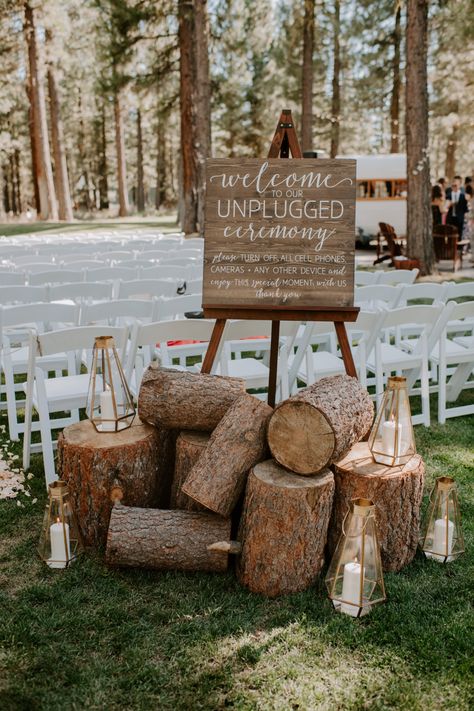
(114, 104)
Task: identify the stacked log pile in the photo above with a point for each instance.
(269, 469)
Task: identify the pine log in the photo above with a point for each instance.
(397, 493)
(175, 399)
(238, 442)
(189, 447)
(283, 529)
(166, 540)
(136, 461)
(320, 424)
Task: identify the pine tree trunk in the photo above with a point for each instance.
(18, 180)
(121, 161)
(336, 87)
(102, 166)
(12, 183)
(44, 171)
(202, 117)
(419, 218)
(34, 149)
(451, 146)
(160, 197)
(396, 86)
(59, 152)
(140, 178)
(307, 78)
(6, 190)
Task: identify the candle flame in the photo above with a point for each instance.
(58, 520)
(355, 560)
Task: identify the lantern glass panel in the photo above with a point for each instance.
(391, 440)
(355, 578)
(442, 537)
(60, 541)
(109, 403)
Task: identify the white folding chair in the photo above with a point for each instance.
(193, 286)
(120, 312)
(85, 264)
(176, 307)
(366, 278)
(56, 276)
(112, 274)
(81, 291)
(67, 393)
(151, 341)
(455, 358)
(166, 272)
(423, 291)
(12, 279)
(398, 276)
(147, 288)
(23, 294)
(376, 296)
(16, 324)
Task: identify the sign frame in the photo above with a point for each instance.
(285, 140)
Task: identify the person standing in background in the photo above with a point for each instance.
(457, 205)
(438, 204)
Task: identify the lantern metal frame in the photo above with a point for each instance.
(103, 352)
(59, 511)
(368, 545)
(395, 393)
(443, 507)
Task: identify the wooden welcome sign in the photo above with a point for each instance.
(279, 234)
(279, 244)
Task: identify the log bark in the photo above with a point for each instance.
(283, 529)
(320, 424)
(136, 460)
(181, 400)
(189, 447)
(239, 441)
(166, 540)
(397, 493)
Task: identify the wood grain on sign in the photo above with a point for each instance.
(279, 233)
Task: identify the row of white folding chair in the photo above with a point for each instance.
(394, 276)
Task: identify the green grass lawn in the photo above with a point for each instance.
(93, 638)
(165, 223)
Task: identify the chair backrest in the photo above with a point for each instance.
(153, 254)
(194, 286)
(445, 231)
(176, 307)
(389, 234)
(27, 260)
(23, 294)
(445, 245)
(81, 291)
(368, 326)
(165, 272)
(147, 288)
(12, 278)
(117, 255)
(111, 273)
(366, 278)
(429, 291)
(431, 320)
(376, 295)
(455, 290)
(85, 264)
(35, 267)
(80, 338)
(44, 316)
(462, 311)
(119, 312)
(180, 262)
(398, 276)
(58, 276)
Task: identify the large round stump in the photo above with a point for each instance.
(137, 461)
(189, 447)
(397, 493)
(283, 529)
(319, 425)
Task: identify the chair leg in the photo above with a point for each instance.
(46, 437)
(13, 429)
(442, 392)
(425, 394)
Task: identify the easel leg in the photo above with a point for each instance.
(213, 346)
(345, 348)
(272, 382)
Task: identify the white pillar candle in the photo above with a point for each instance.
(107, 410)
(60, 548)
(390, 429)
(443, 531)
(351, 583)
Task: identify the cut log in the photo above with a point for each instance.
(397, 493)
(283, 529)
(238, 442)
(189, 447)
(175, 399)
(320, 424)
(166, 540)
(136, 461)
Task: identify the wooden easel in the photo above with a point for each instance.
(284, 141)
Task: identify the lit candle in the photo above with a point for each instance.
(107, 410)
(60, 548)
(390, 430)
(443, 539)
(351, 583)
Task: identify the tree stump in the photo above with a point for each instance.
(283, 529)
(137, 460)
(175, 399)
(166, 540)
(238, 442)
(320, 424)
(189, 447)
(397, 493)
